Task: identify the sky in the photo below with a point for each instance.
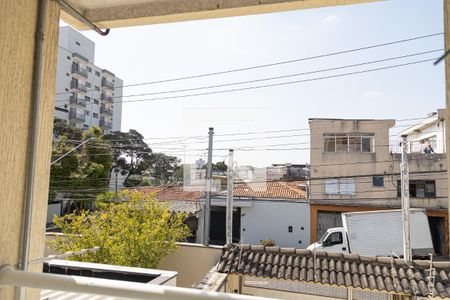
(158, 52)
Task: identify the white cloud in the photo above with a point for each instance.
(372, 94)
(331, 19)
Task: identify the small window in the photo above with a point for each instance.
(87, 98)
(331, 187)
(88, 84)
(68, 57)
(67, 74)
(97, 73)
(378, 181)
(347, 186)
(97, 88)
(78, 43)
(96, 101)
(289, 228)
(66, 90)
(85, 127)
(95, 115)
(86, 112)
(89, 69)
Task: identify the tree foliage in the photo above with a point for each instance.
(162, 167)
(137, 231)
(82, 174)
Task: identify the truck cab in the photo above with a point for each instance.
(333, 240)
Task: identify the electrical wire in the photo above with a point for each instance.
(276, 63)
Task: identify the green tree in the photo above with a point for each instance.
(83, 174)
(132, 155)
(136, 231)
(162, 167)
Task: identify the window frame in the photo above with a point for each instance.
(348, 142)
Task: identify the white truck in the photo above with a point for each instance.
(377, 233)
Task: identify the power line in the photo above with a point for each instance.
(280, 62)
(275, 77)
(279, 84)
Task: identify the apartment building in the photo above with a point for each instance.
(355, 166)
(86, 95)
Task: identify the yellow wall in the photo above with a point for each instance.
(18, 22)
(192, 262)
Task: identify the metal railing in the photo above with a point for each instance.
(105, 97)
(107, 124)
(106, 111)
(77, 101)
(107, 84)
(76, 69)
(77, 116)
(80, 87)
(417, 146)
(108, 287)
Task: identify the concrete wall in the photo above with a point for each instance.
(271, 220)
(18, 25)
(192, 262)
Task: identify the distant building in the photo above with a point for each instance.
(86, 95)
(355, 168)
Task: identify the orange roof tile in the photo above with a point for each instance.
(270, 189)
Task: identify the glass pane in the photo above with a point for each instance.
(347, 186)
(331, 186)
(430, 189)
(341, 144)
(420, 190)
(367, 143)
(329, 144)
(354, 144)
(378, 181)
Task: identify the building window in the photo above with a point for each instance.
(88, 84)
(96, 101)
(97, 73)
(78, 43)
(89, 69)
(341, 186)
(97, 88)
(87, 98)
(95, 115)
(349, 142)
(86, 112)
(85, 127)
(378, 181)
(68, 57)
(67, 74)
(66, 89)
(419, 188)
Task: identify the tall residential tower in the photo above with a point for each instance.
(86, 95)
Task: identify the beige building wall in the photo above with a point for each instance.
(18, 27)
(380, 161)
(192, 262)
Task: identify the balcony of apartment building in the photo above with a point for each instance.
(75, 117)
(107, 84)
(105, 97)
(76, 86)
(106, 124)
(74, 100)
(106, 111)
(78, 71)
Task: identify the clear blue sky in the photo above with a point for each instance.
(149, 53)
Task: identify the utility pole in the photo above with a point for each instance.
(229, 212)
(207, 208)
(404, 175)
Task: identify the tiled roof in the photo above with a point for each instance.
(173, 193)
(349, 270)
(270, 189)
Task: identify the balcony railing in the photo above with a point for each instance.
(76, 69)
(79, 87)
(77, 116)
(105, 97)
(416, 146)
(107, 84)
(77, 101)
(107, 124)
(106, 111)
